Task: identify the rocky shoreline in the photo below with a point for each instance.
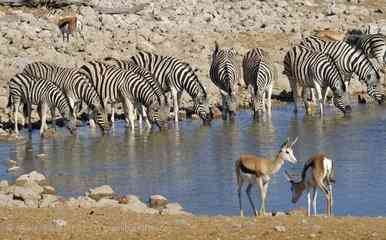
(32, 190)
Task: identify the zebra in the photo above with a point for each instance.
(348, 60)
(31, 91)
(114, 84)
(131, 66)
(311, 69)
(259, 76)
(373, 45)
(224, 73)
(74, 85)
(175, 76)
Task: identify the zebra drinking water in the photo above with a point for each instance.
(75, 87)
(114, 84)
(25, 89)
(307, 68)
(348, 60)
(224, 73)
(259, 75)
(176, 76)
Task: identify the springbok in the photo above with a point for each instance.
(318, 172)
(259, 170)
(69, 25)
(330, 35)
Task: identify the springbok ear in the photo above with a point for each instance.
(287, 176)
(293, 143)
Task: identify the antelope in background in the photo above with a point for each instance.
(259, 170)
(318, 172)
(69, 25)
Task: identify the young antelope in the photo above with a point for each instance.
(253, 170)
(318, 172)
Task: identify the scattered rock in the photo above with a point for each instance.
(48, 200)
(3, 184)
(97, 193)
(104, 203)
(280, 228)
(81, 202)
(59, 222)
(31, 177)
(13, 169)
(123, 200)
(49, 190)
(158, 201)
(274, 214)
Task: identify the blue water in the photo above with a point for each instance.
(194, 164)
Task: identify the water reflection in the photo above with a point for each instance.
(194, 164)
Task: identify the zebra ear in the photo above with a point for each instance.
(216, 47)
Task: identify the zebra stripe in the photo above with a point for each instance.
(72, 84)
(225, 75)
(114, 84)
(348, 60)
(176, 76)
(373, 45)
(258, 77)
(31, 91)
(307, 68)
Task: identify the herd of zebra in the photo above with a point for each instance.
(144, 82)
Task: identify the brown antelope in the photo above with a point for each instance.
(318, 172)
(259, 170)
(330, 35)
(69, 25)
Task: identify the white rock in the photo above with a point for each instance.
(31, 177)
(59, 222)
(174, 206)
(81, 202)
(48, 200)
(105, 203)
(104, 191)
(157, 201)
(280, 228)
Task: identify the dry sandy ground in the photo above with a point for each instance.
(115, 224)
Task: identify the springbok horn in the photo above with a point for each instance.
(296, 139)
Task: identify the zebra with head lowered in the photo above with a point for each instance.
(348, 60)
(259, 75)
(224, 73)
(176, 76)
(131, 66)
(114, 84)
(307, 68)
(75, 87)
(31, 91)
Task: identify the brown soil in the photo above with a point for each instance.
(115, 224)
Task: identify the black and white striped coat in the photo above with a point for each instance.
(114, 84)
(259, 76)
(176, 76)
(349, 60)
(31, 91)
(307, 68)
(75, 87)
(131, 66)
(224, 73)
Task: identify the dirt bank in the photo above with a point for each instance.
(116, 224)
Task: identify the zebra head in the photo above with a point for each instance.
(201, 107)
(70, 120)
(372, 81)
(257, 104)
(154, 114)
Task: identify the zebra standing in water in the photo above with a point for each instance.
(307, 68)
(114, 84)
(30, 91)
(348, 60)
(75, 87)
(131, 66)
(176, 76)
(224, 73)
(259, 75)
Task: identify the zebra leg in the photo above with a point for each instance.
(294, 89)
(144, 114)
(43, 120)
(53, 117)
(126, 112)
(15, 112)
(319, 98)
(129, 111)
(305, 100)
(140, 115)
(112, 113)
(224, 106)
(269, 96)
(29, 110)
(91, 119)
(175, 104)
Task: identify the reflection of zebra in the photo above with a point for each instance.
(224, 73)
(373, 45)
(259, 77)
(348, 60)
(176, 76)
(310, 69)
(114, 84)
(131, 66)
(25, 89)
(72, 84)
